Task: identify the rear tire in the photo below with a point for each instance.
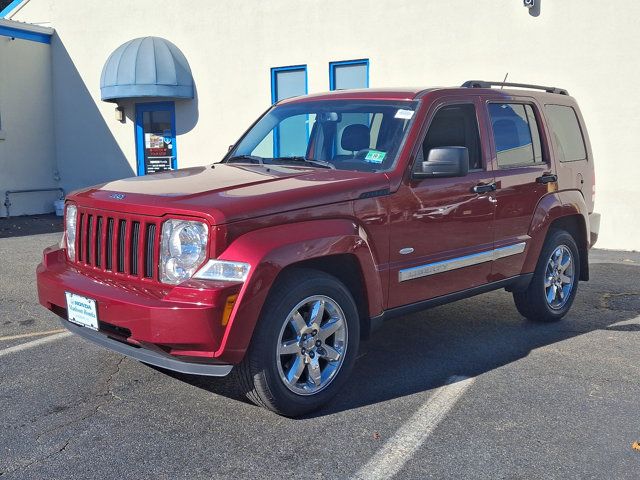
(304, 345)
(555, 281)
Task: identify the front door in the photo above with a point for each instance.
(442, 230)
(155, 137)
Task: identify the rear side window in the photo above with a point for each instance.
(516, 135)
(567, 136)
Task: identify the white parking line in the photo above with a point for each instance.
(34, 343)
(33, 334)
(393, 455)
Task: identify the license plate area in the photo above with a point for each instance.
(82, 310)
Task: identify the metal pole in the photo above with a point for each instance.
(7, 201)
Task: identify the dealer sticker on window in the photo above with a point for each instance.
(375, 156)
(404, 114)
(82, 310)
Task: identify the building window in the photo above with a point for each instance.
(567, 135)
(515, 134)
(287, 82)
(349, 74)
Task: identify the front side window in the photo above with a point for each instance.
(567, 136)
(454, 126)
(515, 133)
(363, 135)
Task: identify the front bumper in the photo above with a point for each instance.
(174, 327)
(156, 358)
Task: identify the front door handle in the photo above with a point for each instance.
(485, 187)
(547, 178)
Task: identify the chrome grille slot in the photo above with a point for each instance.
(122, 228)
(150, 241)
(133, 259)
(79, 237)
(88, 237)
(109, 244)
(98, 243)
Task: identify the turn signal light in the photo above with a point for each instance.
(228, 308)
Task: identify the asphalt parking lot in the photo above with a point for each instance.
(467, 390)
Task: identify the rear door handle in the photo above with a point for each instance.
(547, 178)
(485, 187)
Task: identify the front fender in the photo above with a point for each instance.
(270, 250)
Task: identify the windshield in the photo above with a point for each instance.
(364, 135)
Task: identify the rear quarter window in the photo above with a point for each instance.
(567, 136)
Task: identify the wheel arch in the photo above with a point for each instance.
(565, 210)
(335, 246)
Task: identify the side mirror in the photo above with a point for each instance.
(443, 162)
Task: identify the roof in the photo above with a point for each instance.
(364, 93)
(559, 95)
(25, 31)
(8, 7)
(146, 67)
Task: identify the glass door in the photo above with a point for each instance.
(155, 137)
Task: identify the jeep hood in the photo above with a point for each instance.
(227, 193)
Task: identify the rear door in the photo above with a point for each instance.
(524, 173)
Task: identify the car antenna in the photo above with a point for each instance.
(504, 81)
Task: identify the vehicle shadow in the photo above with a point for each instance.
(470, 337)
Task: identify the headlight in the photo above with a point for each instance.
(222, 270)
(183, 249)
(71, 217)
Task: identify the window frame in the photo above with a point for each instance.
(541, 133)
(342, 63)
(580, 129)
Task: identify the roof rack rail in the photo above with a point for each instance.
(485, 84)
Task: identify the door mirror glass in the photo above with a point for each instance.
(443, 162)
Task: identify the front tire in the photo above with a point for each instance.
(304, 346)
(555, 281)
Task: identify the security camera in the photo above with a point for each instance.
(529, 3)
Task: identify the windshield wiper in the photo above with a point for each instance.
(241, 158)
(319, 163)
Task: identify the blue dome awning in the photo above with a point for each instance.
(146, 67)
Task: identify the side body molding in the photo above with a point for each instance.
(270, 250)
(552, 207)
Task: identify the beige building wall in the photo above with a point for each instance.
(589, 48)
(27, 140)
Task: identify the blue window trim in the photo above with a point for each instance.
(139, 130)
(7, 10)
(274, 97)
(274, 72)
(333, 65)
(24, 34)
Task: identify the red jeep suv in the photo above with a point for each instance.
(332, 213)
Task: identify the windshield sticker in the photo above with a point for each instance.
(375, 156)
(404, 114)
